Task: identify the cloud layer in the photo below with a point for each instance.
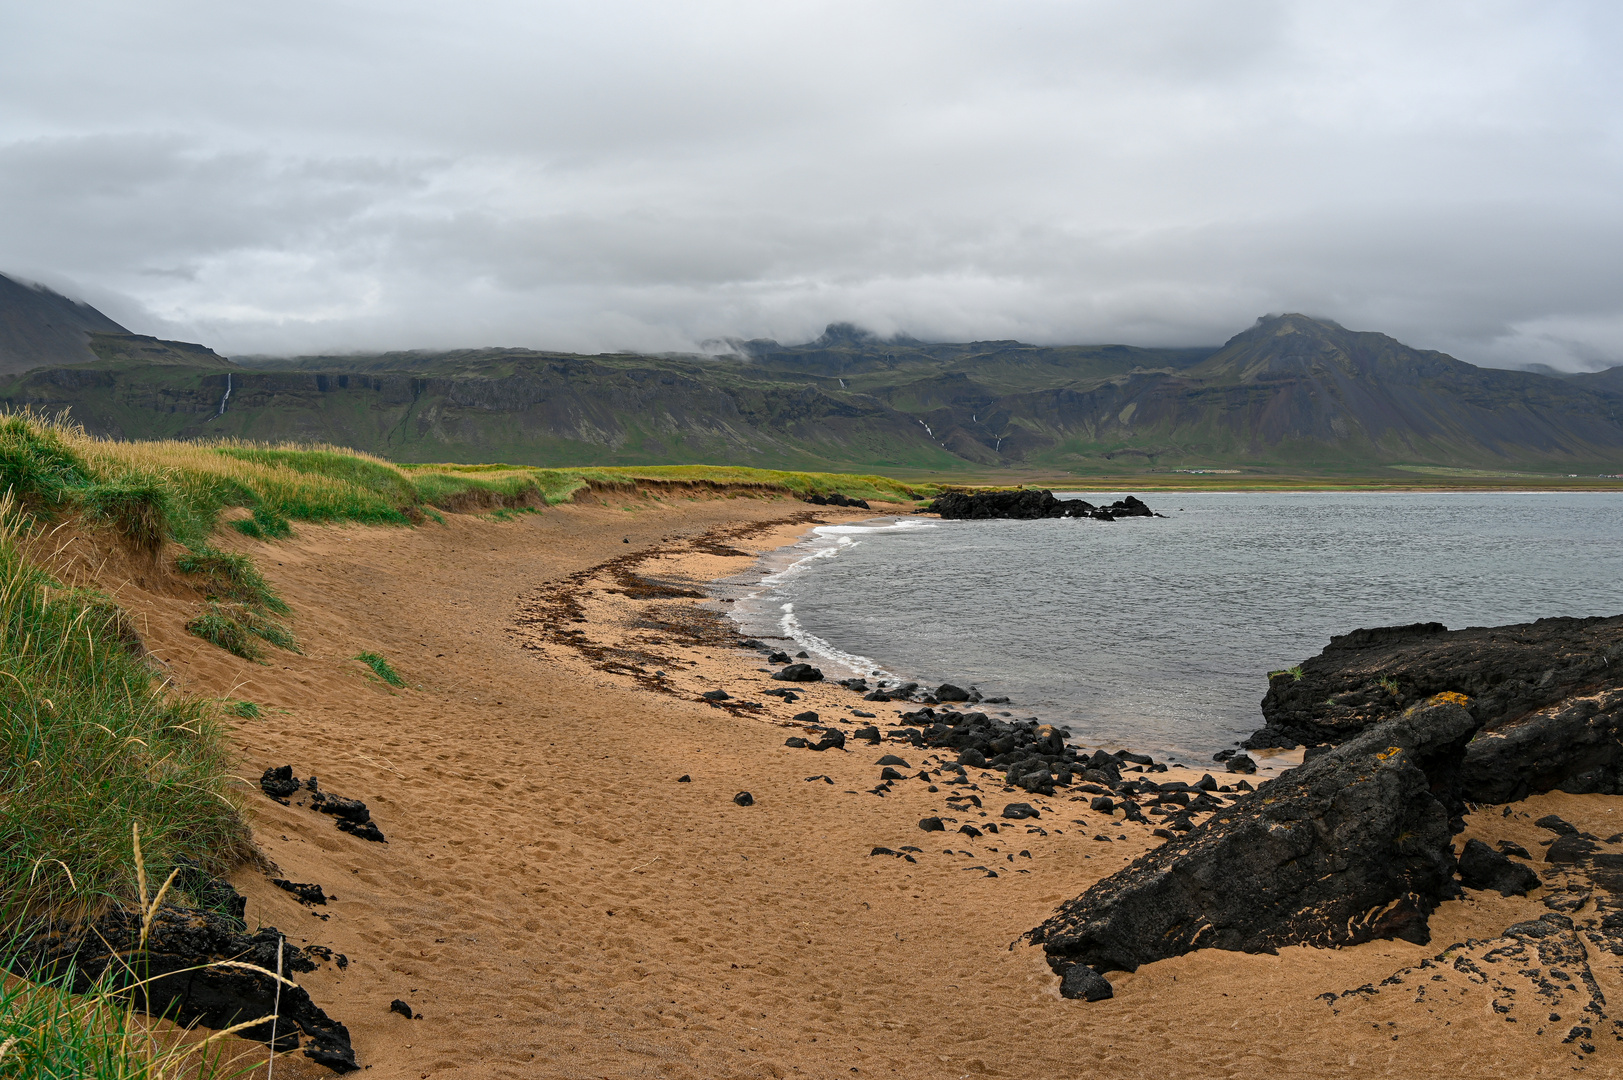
(627, 175)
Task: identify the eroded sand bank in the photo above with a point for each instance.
(554, 903)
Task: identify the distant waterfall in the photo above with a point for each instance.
(224, 399)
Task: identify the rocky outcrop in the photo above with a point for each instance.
(191, 970)
(1351, 846)
(1028, 505)
(1546, 697)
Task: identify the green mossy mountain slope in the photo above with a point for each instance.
(1289, 392)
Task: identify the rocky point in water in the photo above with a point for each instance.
(1545, 697)
(1029, 504)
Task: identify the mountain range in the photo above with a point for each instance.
(1289, 392)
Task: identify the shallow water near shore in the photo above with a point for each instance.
(1158, 634)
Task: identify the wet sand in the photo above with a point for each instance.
(556, 904)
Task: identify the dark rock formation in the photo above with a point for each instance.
(1547, 701)
(279, 782)
(744, 798)
(178, 981)
(799, 673)
(1351, 846)
(1481, 867)
(1030, 504)
(1081, 981)
(834, 498)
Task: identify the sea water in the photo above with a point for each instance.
(1158, 633)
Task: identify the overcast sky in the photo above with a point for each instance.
(299, 177)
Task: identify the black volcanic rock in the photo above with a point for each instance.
(1028, 504)
(1351, 846)
(799, 673)
(173, 976)
(1481, 867)
(1547, 697)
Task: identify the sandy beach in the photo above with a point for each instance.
(553, 902)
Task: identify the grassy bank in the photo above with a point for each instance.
(91, 741)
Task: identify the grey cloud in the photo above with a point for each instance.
(639, 175)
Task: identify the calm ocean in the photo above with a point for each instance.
(1158, 634)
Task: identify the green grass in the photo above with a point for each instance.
(230, 575)
(90, 743)
(48, 1033)
(380, 667)
(247, 710)
(264, 524)
(239, 629)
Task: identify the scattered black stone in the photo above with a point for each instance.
(932, 824)
(972, 758)
(684, 779)
(889, 773)
(1481, 867)
(367, 830)
(797, 742)
(876, 695)
(1081, 981)
(1101, 803)
(1020, 810)
(868, 734)
(831, 740)
(803, 654)
(882, 851)
(1351, 846)
(864, 716)
(1162, 833)
(1556, 825)
(346, 809)
(744, 798)
(807, 717)
(969, 830)
(779, 658)
(860, 685)
(1569, 848)
(307, 894)
(173, 977)
(1242, 763)
(892, 759)
(799, 673)
(1223, 755)
(715, 695)
(279, 783)
(949, 692)
(751, 643)
(398, 1006)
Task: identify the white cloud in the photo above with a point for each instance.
(638, 175)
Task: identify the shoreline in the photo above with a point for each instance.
(1269, 762)
(555, 899)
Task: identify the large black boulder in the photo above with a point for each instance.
(1351, 846)
(1547, 698)
(1481, 867)
(799, 673)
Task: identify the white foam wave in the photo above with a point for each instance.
(823, 650)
